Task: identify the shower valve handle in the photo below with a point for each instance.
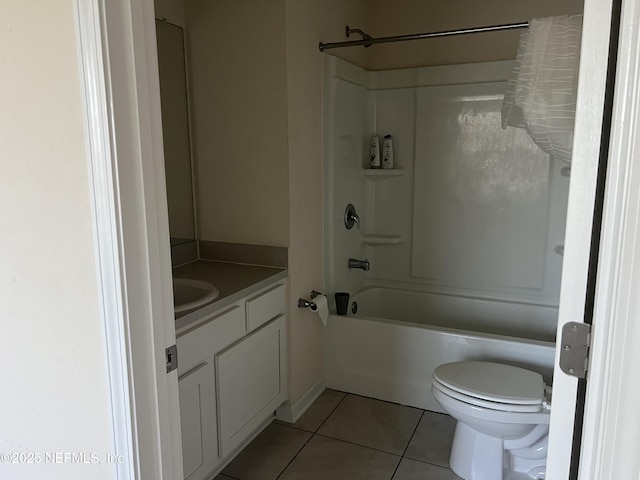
(351, 218)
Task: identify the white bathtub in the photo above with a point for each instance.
(389, 349)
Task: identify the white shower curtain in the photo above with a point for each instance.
(541, 93)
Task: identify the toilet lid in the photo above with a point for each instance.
(494, 382)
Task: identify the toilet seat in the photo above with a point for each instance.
(493, 405)
(492, 385)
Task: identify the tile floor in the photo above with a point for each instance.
(348, 437)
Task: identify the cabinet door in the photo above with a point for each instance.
(250, 380)
(198, 422)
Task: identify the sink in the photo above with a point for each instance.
(189, 293)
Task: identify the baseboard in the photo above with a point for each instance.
(291, 412)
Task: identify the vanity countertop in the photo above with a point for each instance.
(233, 280)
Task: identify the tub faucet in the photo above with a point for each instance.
(363, 264)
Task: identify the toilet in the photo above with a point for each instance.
(502, 416)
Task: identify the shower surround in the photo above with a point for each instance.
(471, 220)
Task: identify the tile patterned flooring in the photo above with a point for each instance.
(348, 437)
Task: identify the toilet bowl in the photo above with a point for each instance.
(502, 419)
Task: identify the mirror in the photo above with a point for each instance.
(175, 128)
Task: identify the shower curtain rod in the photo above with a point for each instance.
(368, 40)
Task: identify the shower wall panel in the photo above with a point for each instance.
(481, 193)
(350, 129)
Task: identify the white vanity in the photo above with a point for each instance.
(231, 375)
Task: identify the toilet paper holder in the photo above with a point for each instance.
(302, 303)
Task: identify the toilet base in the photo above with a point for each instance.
(516, 476)
(532, 460)
(477, 456)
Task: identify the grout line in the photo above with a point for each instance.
(396, 469)
(312, 434)
(358, 444)
(387, 401)
(448, 467)
(408, 443)
(315, 433)
(422, 411)
(295, 456)
(413, 434)
(331, 412)
(220, 473)
(292, 425)
(428, 463)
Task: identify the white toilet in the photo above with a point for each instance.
(503, 419)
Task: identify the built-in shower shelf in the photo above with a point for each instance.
(375, 175)
(376, 240)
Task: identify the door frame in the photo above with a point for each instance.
(118, 68)
(120, 85)
(611, 430)
(606, 449)
(576, 265)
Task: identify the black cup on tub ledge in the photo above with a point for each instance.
(342, 302)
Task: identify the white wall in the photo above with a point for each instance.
(308, 22)
(54, 393)
(171, 10)
(237, 67)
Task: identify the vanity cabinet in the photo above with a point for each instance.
(231, 369)
(250, 383)
(198, 421)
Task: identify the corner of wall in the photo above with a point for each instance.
(307, 23)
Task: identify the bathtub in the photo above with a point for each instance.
(391, 346)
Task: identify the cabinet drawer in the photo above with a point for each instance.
(264, 307)
(208, 338)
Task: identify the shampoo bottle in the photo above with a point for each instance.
(387, 152)
(375, 152)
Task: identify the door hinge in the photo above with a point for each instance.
(574, 349)
(171, 358)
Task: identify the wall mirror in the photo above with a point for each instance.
(175, 127)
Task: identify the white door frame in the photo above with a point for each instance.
(119, 71)
(119, 76)
(611, 433)
(580, 210)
